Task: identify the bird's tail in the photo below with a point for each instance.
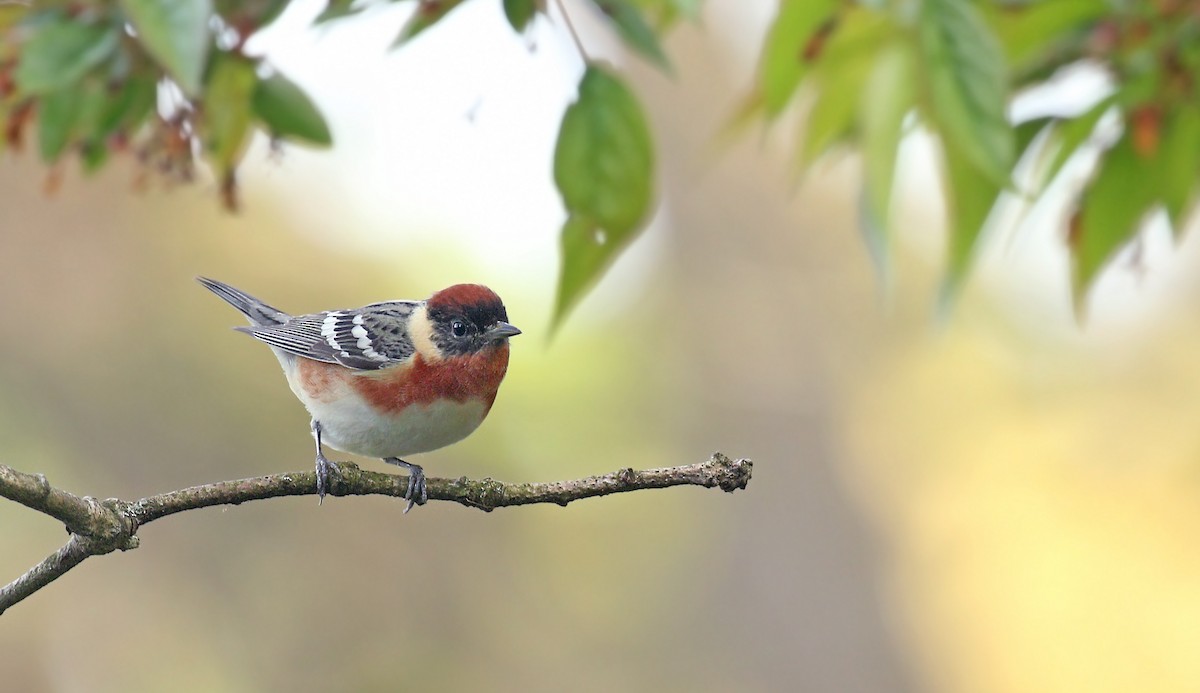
(260, 314)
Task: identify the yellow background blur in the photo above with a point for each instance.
(1001, 501)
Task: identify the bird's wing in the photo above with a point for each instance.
(368, 338)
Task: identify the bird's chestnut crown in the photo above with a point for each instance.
(467, 318)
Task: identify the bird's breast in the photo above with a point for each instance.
(423, 381)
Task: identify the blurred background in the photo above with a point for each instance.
(991, 499)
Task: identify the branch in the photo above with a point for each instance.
(100, 527)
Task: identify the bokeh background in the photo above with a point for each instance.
(990, 499)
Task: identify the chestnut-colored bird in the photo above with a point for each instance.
(389, 379)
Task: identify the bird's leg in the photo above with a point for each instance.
(415, 495)
(323, 463)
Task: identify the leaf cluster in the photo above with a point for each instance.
(172, 83)
(874, 70)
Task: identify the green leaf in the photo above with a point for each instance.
(1111, 210)
(634, 30)
(428, 13)
(832, 117)
(175, 33)
(58, 112)
(1179, 163)
(888, 98)
(970, 197)
(604, 170)
(288, 112)
(1071, 134)
(1030, 32)
(227, 109)
(129, 107)
(783, 62)
(840, 79)
(61, 52)
(965, 78)
(337, 9)
(521, 12)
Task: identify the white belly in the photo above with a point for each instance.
(351, 426)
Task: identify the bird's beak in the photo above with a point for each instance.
(501, 330)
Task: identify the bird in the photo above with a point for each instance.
(390, 379)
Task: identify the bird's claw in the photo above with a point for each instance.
(324, 467)
(416, 493)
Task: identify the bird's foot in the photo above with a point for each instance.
(416, 493)
(325, 466)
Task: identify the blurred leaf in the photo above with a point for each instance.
(970, 196)
(1110, 214)
(130, 106)
(428, 13)
(1179, 163)
(521, 12)
(288, 112)
(604, 170)
(839, 81)
(61, 52)
(228, 109)
(784, 60)
(888, 98)
(1071, 134)
(634, 30)
(1029, 32)
(964, 69)
(94, 154)
(175, 33)
(336, 9)
(95, 100)
(837, 102)
(58, 112)
(250, 15)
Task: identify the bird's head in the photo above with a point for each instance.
(467, 318)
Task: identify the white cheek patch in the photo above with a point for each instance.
(420, 330)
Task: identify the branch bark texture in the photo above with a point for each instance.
(100, 527)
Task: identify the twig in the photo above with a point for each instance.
(100, 527)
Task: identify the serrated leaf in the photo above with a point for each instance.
(61, 52)
(634, 30)
(783, 63)
(1111, 211)
(888, 98)
(428, 13)
(521, 12)
(965, 78)
(228, 109)
(1179, 163)
(288, 112)
(604, 170)
(58, 112)
(174, 33)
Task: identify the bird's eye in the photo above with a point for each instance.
(458, 328)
